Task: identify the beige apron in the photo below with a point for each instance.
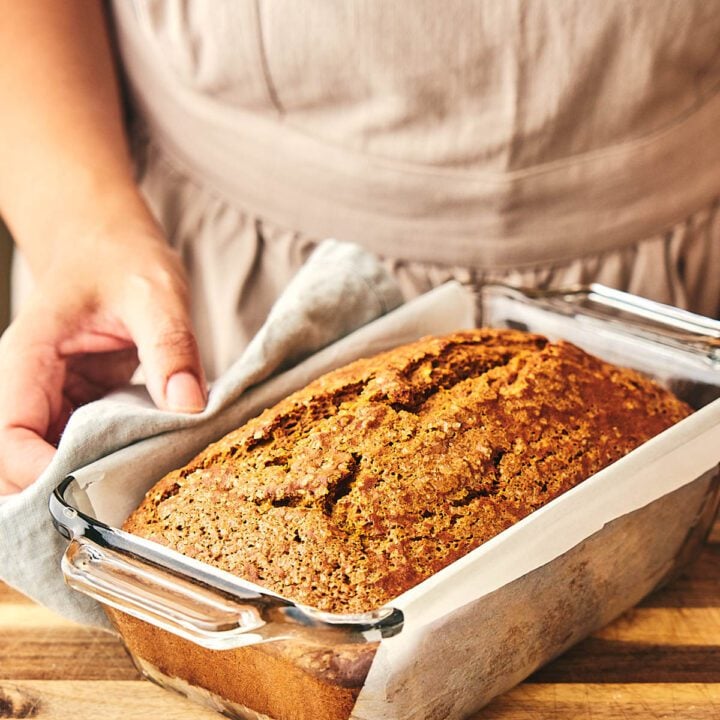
(540, 142)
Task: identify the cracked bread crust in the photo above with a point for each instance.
(377, 475)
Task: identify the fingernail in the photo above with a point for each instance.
(184, 394)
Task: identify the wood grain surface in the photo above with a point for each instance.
(659, 660)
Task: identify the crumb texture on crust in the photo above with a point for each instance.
(379, 474)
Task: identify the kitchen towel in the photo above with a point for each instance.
(336, 293)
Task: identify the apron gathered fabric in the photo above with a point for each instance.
(539, 143)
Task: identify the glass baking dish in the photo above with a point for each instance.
(249, 653)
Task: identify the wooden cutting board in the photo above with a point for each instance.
(659, 660)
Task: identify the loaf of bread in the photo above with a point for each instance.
(370, 479)
(379, 474)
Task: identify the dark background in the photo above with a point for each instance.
(5, 252)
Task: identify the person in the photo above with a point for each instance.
(537, 143)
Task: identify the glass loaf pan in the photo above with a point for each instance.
(448, 646)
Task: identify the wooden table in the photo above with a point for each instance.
(660, 660)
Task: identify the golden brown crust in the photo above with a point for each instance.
(377, 475)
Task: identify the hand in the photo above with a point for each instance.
(96, 312)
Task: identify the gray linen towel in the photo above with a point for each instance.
(340, 289)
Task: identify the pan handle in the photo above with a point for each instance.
(610, 310)
(162, 599)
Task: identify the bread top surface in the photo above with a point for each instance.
(377, 475)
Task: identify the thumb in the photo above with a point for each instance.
(159, 323)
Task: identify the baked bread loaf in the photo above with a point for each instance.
(369, 480)
(379, 474)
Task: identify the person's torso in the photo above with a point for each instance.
(486, 89)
